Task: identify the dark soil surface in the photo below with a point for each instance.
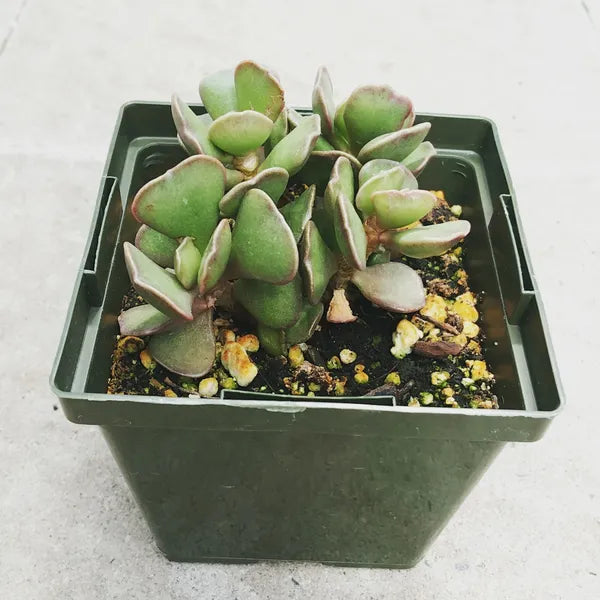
(446, 380)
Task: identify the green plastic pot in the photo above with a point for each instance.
(348, 481)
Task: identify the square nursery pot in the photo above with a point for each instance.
(347, 481)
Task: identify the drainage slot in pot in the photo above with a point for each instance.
(102, 242)
(513, 273)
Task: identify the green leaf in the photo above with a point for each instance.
(218, 93)
(279, 131)
(395, 146)
(295, 148)
(156, 286)
(350, 233)
(430, 240)
(188, 349)
(372, 111)
(258, 89)
(304, 328)
(142, 320)
(322, 101)
(272, 181)
(215, 258)
(418, 159)
(340, 130)
(324, 222)
(276, 306)
(318, 263)
(187, 263)
(156, 246)
(322, 145)
(298, 212)
(374, 167)
(318, 168)
(341, 181)
(392, 179)
(240, 132)
(184, 201)
(263, 245)
(379, 257)
(271, 340)
(393, 286)
(398, 208)
(232, 178)
(192, 130)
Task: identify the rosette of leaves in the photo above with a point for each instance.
(374, 122)
(211, 227)
(369, 220)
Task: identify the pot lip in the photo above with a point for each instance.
(284, 403)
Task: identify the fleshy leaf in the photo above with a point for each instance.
(418, 159)
(187, 263)
(294, 149)
(324, 222)
(393, 286)
(188, 349)
(372, 111)
(393, 179)
(303, 329)
(318, 168)
(341, 181)
(215, 258)
(340, 131)
(156, 286)
(276, 306)
(218, 93)
(192, 130)
(271, 340)
(322, 102)
(184, 201)
(379, 257)
(272, 181)
(294, 117)
(156, 246)
(374, 167)
(395, 146)
(298, 212)
(398, 208)
(240, 132)
(232, 178)
(318, 263)
(263, 245)
(142, 320)
(280, 129)
(257, 89)
(430, 240)
(350, 233)
(322, 145)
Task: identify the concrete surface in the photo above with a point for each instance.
(68, 525)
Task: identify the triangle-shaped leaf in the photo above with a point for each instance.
(298, 212)
(393, 286)
(156, 286)
(184, 201)
(319, 264)
(188, 349)
(215, 258)
(263, 245)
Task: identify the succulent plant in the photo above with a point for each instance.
(219, 228)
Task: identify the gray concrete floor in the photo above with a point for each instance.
(68, 526)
